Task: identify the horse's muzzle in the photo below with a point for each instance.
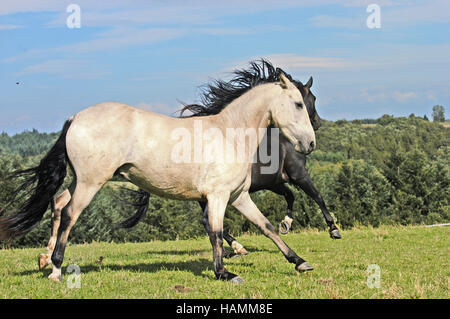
(301, 148)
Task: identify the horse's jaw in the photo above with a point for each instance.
(292, 140)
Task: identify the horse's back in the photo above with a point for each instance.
(104, 135)
(113, 137)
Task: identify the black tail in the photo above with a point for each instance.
(41, 184)
(141, 201)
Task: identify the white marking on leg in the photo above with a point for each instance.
(56, 274)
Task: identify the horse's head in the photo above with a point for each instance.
(290, 115)
(310, 102)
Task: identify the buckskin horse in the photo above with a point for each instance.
(291, 166)
(114, 138)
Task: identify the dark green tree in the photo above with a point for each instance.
(438, 113)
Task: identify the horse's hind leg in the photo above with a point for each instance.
(237, 246)
(246, 206)
(81, 198)
(59, 202)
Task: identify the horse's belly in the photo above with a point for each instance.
(163, 185)
(186, 182)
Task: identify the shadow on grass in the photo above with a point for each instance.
(251, 249)
(180, 252)
(197, 267)
(227, 252)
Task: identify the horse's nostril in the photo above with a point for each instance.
(311, 145)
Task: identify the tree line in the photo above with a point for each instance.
(391, 170)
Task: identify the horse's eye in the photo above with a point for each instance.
(299, 104)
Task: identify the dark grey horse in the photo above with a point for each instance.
(292, 164)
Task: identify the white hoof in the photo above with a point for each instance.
(55, 275)
(238, 248)
(285, 225)
(56, 278)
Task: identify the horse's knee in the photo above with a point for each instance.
(268, 229)
(218, 237)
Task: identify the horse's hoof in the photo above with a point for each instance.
(55, 278)
(284, 227)
(335, 234)
(237, 280)
(241, 251)
(42, 261)
(304, 267)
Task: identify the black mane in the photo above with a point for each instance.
(218, 94)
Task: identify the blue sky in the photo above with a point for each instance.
(153, 53)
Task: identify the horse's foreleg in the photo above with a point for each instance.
(213, 214)
(81, 198)
(246, 206)
(286, 223)
(306, 184)
(59, 202)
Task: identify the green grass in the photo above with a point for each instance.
(414, 263)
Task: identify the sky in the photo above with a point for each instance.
(154, 54)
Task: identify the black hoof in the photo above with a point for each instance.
(304, 267)
(284, 227)
(335, 234)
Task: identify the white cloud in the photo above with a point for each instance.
(9, 26)
(295, 63)
(371, 95)
(416, 14)
(404, 97)
(145, 16)
(162, 9)
(123, 37)
(113, 39)
(18, 6)
(381, 94)
(393, 14)
(326, 21)
(66, 68)
(120, 38)
(291, 62)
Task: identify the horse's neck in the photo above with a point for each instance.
(251, 110)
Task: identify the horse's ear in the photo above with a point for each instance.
(284, 81)
(309, 83)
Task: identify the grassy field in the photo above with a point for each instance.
(414, 263)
